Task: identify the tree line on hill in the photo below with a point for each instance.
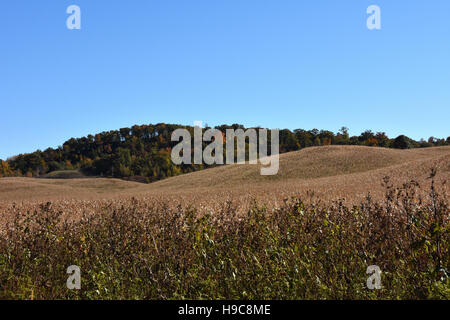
(143, 153)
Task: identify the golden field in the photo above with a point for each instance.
(330, 173)
(309, 232)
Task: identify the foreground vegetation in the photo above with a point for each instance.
(304, 249)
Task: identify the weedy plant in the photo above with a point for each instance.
(301, 250)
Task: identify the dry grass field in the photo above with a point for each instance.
(326, 173)
(332, 172)
(228, 233)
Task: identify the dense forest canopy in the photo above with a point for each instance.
(143, 153)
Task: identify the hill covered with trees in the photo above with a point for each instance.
(143, 153)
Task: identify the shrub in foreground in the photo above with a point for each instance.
(302, 250)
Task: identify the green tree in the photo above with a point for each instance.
(402, 142)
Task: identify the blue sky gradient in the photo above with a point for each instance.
(278, 64)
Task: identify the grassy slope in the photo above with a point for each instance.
(325, 166)
(332, 171)
(17, 189)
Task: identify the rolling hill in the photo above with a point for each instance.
(331, 172)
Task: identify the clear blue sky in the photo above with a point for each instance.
(278, 64)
